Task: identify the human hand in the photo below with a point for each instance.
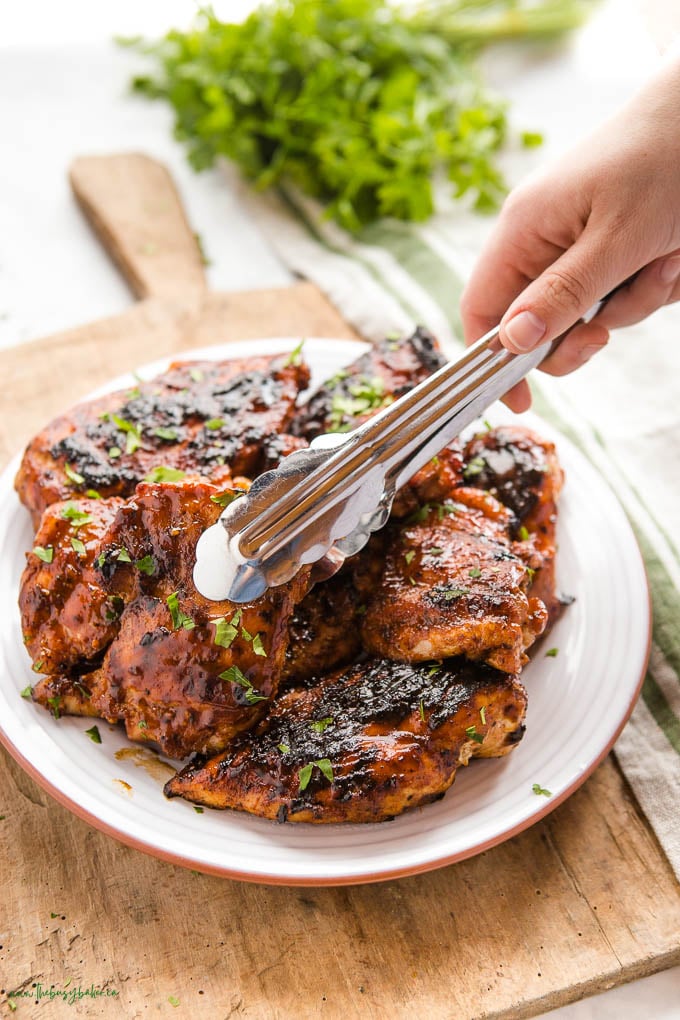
(607, 211)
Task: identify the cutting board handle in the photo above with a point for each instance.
(133, 205)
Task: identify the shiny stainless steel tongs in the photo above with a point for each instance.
(322, 504)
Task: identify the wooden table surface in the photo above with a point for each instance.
(578, 903)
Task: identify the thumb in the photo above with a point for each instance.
(562, 294)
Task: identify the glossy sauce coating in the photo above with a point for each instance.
(389, 736)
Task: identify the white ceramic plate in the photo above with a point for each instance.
(578, 703)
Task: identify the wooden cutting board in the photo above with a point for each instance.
(580, 902)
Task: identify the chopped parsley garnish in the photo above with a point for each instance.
(321, 724)
(198, 810)
(474, 735)
(27, 692)
(421, 709)
(163, 433)
(434, 668)
(55, 704)
(408, 556)
(37, 666)
(213, 424)
(235, 676)
(78, 547)
(94, 735)
(147, 565)
(44, 553)
(196, 375)
(305, 774)
(475, 467)
(552, 653)
(449, 594)
(93, 494)
(225, 632)
(133, 433)
(474, 572)
(172, 999)
(435, 551)
(487, 424)
(523, 534)
(142, 725)
(124, 556)
(75, 516)
(540, 791)
(283, 748)
(294, 359)
(482, 714)
(367, 394)
(179, 619)
(72, 475)
(115, 452)
(227, 497)
(258, 647)
(164, 474)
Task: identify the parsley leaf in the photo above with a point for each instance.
(474, 735)
(227, 497)
(94, 735)
(179, 619)
(44, 553)
(75, 516)
(540, 791)
(164, 474)
(235, 676)
(147, 565)
(305, 773)
(72, 475)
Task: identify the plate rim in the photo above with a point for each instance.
(209, 352)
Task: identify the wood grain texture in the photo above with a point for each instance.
(132, 203)
(582, 901)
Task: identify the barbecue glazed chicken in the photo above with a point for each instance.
(177, 669)
(352, 701)
(380, 737)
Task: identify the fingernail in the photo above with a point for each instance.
(670, 270)
(524, 331)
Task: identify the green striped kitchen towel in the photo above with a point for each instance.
(622, 410)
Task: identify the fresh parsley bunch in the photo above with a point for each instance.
(359, 103)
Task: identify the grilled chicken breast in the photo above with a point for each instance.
(454, 583)
(363, 745)
(213, 418)
(350, 702)
(176, 668)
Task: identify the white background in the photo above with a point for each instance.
(63, 93)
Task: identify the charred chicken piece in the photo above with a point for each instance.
(179, 670)
(364, 745)
(68, 609)
(199, 417)
(387, 371)
(522, 470)
(454, 583)
(325, 628)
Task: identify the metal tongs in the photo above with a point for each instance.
(321, 504)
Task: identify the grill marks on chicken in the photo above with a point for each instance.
(521, 469)
(207, 418)
(177, 669)
(363, 745)
(455, 584)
